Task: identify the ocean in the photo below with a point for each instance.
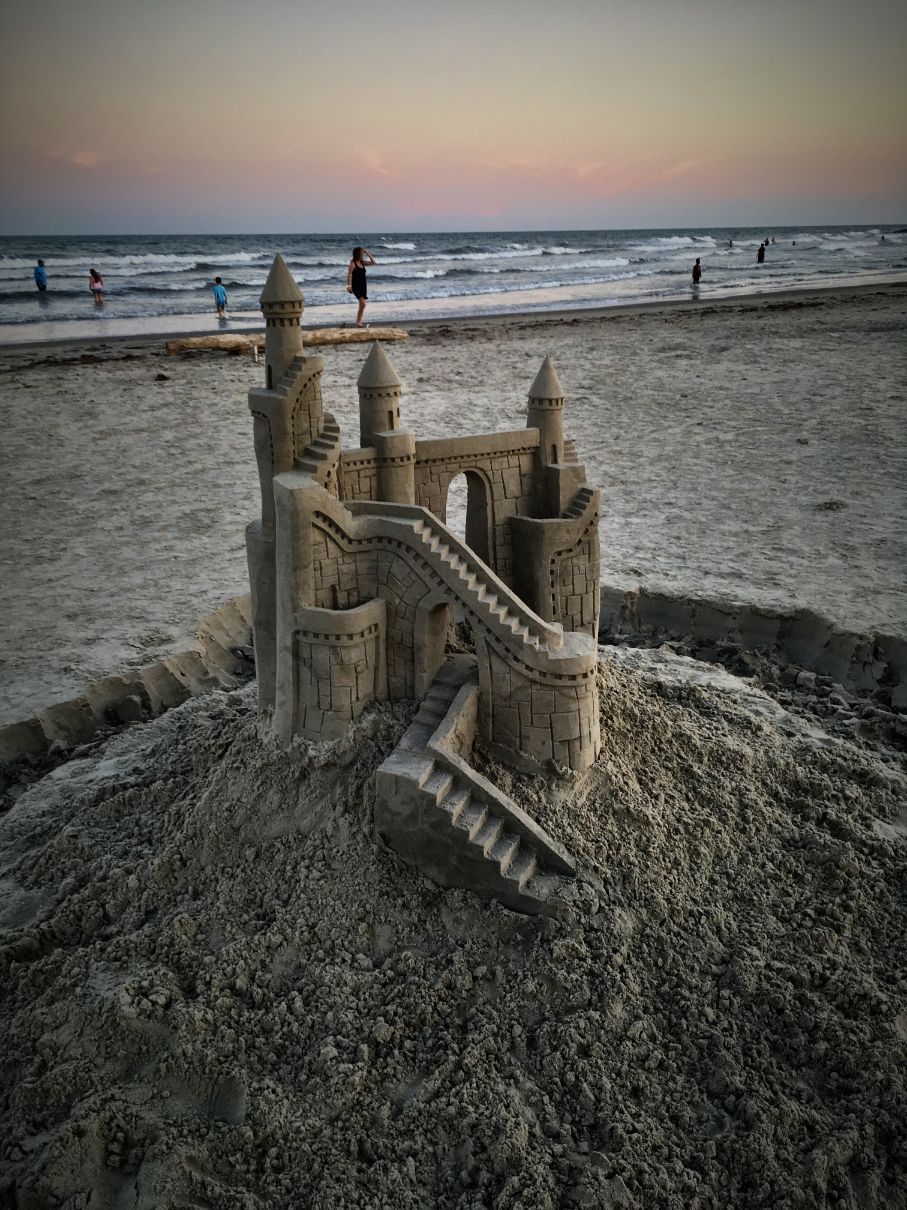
(162, 283)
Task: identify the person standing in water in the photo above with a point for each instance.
(355, 279)
(697, 272)
(760, 255)
(40, 276)
(220, 298)
(96, 285)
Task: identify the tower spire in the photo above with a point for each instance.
(546, 413)
(547, 385)
(282, 306)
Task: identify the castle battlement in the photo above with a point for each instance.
(356, 580)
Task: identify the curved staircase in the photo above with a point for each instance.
(473, 583)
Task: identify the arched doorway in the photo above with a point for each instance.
(467, 511)
(430, 627)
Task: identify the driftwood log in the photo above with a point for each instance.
(245, 342)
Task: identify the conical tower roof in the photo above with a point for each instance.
(377, 373)
(280, 286)
(547, 385)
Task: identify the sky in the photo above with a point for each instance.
(413, 115)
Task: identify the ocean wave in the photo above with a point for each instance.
(660, 243)
(133, 266)
(162, 277)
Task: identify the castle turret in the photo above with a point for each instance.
(546, 413)
(380, 428)
(282, 304)
(379, 396)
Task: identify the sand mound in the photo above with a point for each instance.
(219, 993)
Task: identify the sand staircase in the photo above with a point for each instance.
(471, 580)
(499, 609)
(443, 815)
(325, 449)
(579, 503)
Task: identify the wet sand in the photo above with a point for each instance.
(749, 450)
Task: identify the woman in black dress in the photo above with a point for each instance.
(355, 279)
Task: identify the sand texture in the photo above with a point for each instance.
(219, 993)
(751, 450)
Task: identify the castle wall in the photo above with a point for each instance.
(339, 660)
(390, 572)
(359, 474)
(558, 564)
(573, 576)
(536, 714)
(538, 706)
(506, 464)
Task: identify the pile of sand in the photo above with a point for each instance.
(220, 993)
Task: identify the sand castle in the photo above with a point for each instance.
(356, 579)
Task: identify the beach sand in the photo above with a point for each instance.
(751, 450)
(220, 992)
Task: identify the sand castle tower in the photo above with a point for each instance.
(282, 305)
(287, 413)
(380, 428)
(546, 413)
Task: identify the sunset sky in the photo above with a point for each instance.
(407, 115)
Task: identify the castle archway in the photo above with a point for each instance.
(433, 617)
(467, 511)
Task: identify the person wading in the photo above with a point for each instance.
(355, 279)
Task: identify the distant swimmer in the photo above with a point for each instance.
(881, 241)
(96, 285)
(773, 239)
(220, 298)
(41, 275)
(355, 279)
(760, 255)
(697, 272)
(730, 243)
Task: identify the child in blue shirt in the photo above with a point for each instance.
(40, 275)
(220, 298)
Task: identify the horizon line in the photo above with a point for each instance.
(438, 230)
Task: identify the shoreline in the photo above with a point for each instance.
(723, 300)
